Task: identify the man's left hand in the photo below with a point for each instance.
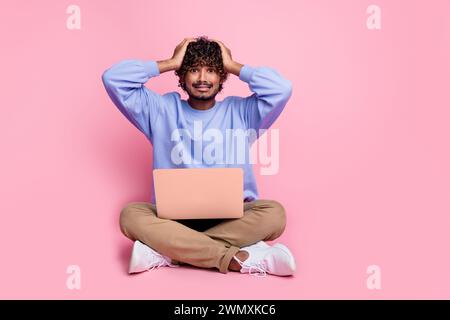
(228, 63)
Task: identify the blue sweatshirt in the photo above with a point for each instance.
(184, 137)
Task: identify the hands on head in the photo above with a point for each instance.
(180, 50)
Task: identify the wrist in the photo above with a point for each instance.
(234, 68)
(166, 65)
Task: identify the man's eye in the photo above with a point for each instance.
(193, 70)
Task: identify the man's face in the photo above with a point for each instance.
(202, 82)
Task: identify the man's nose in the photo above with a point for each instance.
(202, 75)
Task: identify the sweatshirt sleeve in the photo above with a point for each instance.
(270, 94)
(124, 83)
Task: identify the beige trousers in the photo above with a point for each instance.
(205, 243)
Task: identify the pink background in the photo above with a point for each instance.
(364, 171)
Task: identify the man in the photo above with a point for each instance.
(202, 66)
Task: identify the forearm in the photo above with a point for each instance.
(234, 68)
(166, 65)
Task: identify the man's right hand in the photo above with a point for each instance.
(180, 50)
(175, 62)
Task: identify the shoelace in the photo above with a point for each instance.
(162, 263)
(260, 271)
(258, 267)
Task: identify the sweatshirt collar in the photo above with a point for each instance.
(189, 109)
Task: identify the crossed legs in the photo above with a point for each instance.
(210, 248)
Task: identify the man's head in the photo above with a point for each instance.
(202, 73)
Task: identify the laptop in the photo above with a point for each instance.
(199, 193)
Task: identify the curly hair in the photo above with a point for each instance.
(202, 52)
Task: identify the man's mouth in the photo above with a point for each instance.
(202, 88)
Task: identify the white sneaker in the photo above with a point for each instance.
(144, 258)
(262, 258)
